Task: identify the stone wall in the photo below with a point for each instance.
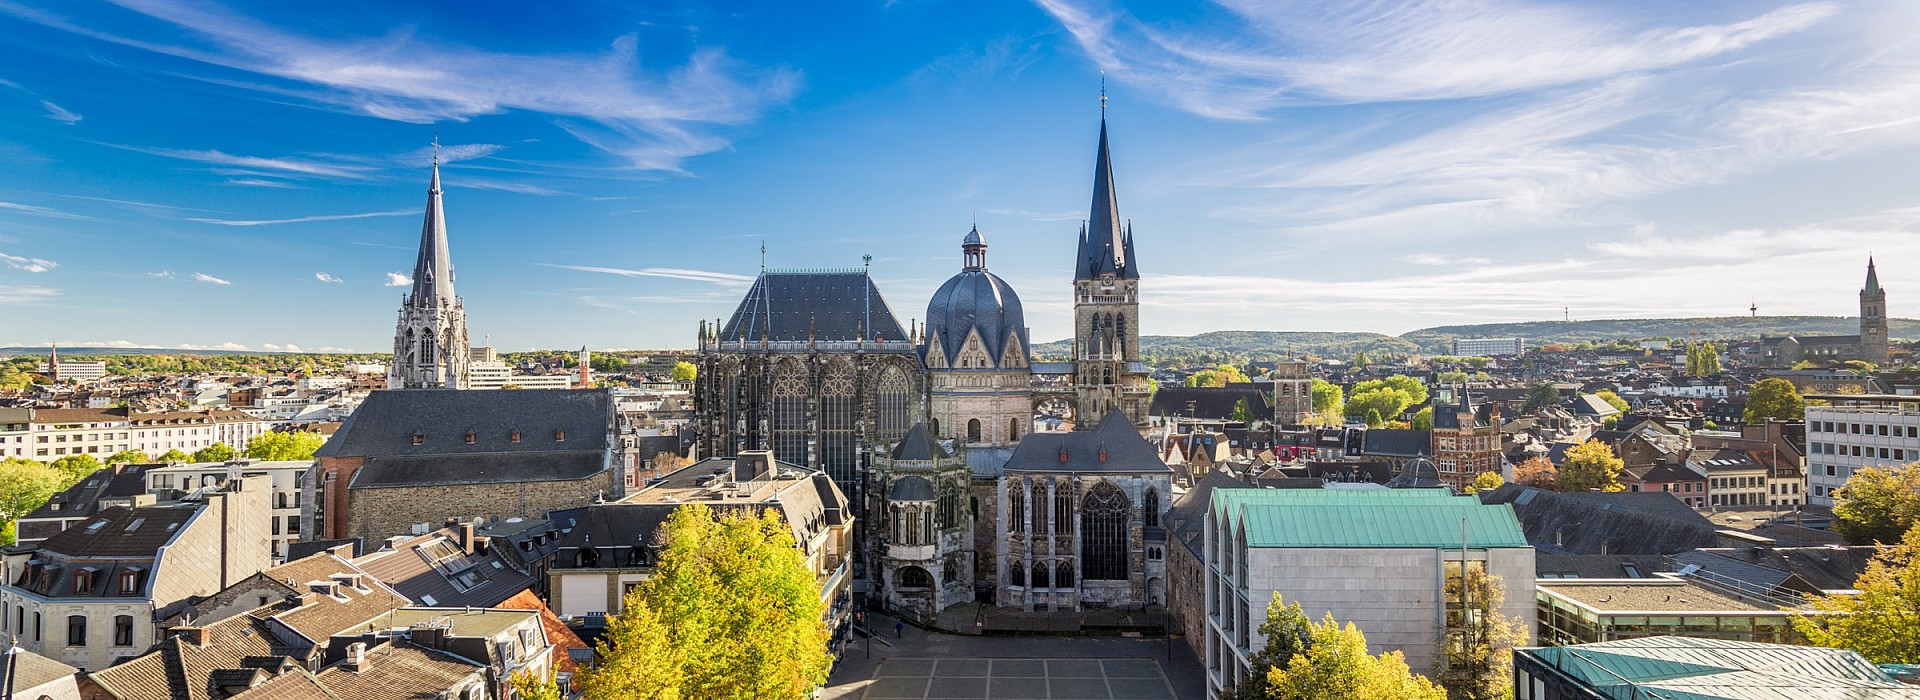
(376, 514)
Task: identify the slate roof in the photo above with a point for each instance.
(1584, 566)
(497, 468)
(1080, 450)
(1482, 413)
(1621, 523)
(1371, 518)
(1208, 403)
(114, 532)
(1187, 517)
(118, 481)
(919, 446)
(829, 305)
(1105, 248)
(976, 300)
(434, 570)
(911, 488)
(1688, 668)
(387, 421)
(1832, 568)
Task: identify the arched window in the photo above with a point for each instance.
(586, 558)
(1150, 507)
(973, 430)
(1013, 429)
(1104, 545)
(949, 504)
(894, 404)
(1040, 507)
(839, 422)
(915, 577)
(934, 425)
(1040, 578)
(1063, 507)
(791, 395)
(1017, 574)
(1016, 505)
(1063, 576)
(951, 572)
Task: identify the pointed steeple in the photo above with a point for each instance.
(1105, 247)
(1873, 279)
(433, 270)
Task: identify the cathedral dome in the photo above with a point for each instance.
(973, 300)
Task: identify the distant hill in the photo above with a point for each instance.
(1256, 346)
(80, 350)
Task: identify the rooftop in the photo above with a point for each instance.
(1649, 596)
(1690, 668)
(1367, 518)
(464, 622)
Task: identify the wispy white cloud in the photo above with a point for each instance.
(324, 277)
(229, 345)
(209, 279)
(27, 294)
(1436, 259)
(720, 278)
(60, 114)
(303, 219)
(29, 264)
(395, 279)
(162, 274)
(296, 166)
(40, 211)
(652, 118)
(515, 187)
(257, 182)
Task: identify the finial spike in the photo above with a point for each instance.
(436, 149)
(763, 256)
(1103, 94)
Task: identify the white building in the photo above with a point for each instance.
(1488, 347)
(497, 375)
(1379, 559)
(74, 370)
(286, 478)
(1858, 430)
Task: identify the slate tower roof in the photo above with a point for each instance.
(824, 305)
(976, 299)
(1105, 247)
(433, 270)
(1873, 282)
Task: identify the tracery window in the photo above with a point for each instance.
(790, 412)
(1040, 507)
(1017, 574)
(949, 504)
(1103, 517)
(1063, 507)
(1016, 504)
(915, 577)
(1063, 577)
(1150, 507)
(892, 405)
(1040, 575)
(839, 422)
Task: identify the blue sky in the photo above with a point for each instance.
(187, 174)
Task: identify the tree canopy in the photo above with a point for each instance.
(1336, 665)
(1487, 481)
(684, 371)
(280, 446)
(1881, 622)
(1538, 472)
(1218, 376)
(1540, 395)
(216, 452)
(174, 455)
(1591, 465)
(1389, 397)
(129, 457)
(1878, 504)
(1328, 398)
(1614, 400)
(25, 485)
(1479, 639)
(1774, 398)
(731, 613)
(76, 467)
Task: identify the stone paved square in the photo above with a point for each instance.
(1018, 679)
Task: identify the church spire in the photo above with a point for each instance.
(1873, 279)
(433, 270)
(1105, 248)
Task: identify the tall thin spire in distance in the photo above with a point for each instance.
(433, 270)
(1104, 248)
(1873, 278)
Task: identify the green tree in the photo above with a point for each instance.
(527, 686)
(1709, 360)
(1614, 400)
(1328, 398)
(1360, 359)
(129, 457)
(1479, 639)
(174, 455)
(1591, 465)
(1373, 418)
(731, 613)
(76, 467)
(1452, 376)
(1878, 505)
(684, 371)
(280, 446)
(216, 452)
(1243, 411)
(1882, 622)
(1289, 632)
(1218, 376)
(1774, 398)
(1487, 481)
(1336, 665)
(25, 485)
(1423, 418)
(1539, 395)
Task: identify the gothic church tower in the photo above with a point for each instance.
(430, 341)
(1108, 373)
(1873, 318)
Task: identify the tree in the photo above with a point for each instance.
(1614, 400)
(25, 485)
(1540, 395)
(129, 457)
(1878, 505)
(1591, 465)
(732, 612)
(1373, 418)
(1423, 419)
(1328, 398)
(76, 467)
(684, 371)
(1452, 376)
(1880, 622)
(1774, 398)
(527, 686)
(280, 446)
(1243, 412)
(216, 452)
(1479, 639)
(1537, 472)
(1487, 481)
(174, 455)
(1218, 376)
(1336, 665)
(1360, 359)
(1289, 632)
(1709, 360)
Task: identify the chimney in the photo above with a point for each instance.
(752, 464)
(191, 634)
(356, 656)
(464, 531)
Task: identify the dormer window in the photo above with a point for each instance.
(559, 435)
(419, 439)
(515, 436)
(129, 582)
(471, 436)
(82, 581)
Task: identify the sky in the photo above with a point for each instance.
(253, 176)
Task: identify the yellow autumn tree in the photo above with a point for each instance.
(1883, 621)
(1590, 465)
(1336, 665)
(733, 612)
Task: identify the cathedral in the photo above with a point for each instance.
(1871, 344)
(931, 429)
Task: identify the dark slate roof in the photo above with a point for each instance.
(911, 488)
(493, 468)
(1126, 451)
(386, 423)
(1105, 248)
(1620, 523)
(919, 446)
(1825, 568)
(1397, 443)
(118, 537)
(301, 550)
(1549, 565)
(1187, 516)
(1670, 473)
(118, 481)
(829, 305)
(1447, 416)
(435, 565)
(978, 300)
(1208, 403)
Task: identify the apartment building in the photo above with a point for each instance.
(286, 478)
(1855, 431)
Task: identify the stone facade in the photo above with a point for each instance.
(921, 551)
(430, 349)
(1044, 528)
(979, 380)
(378, 513)
(1292, 392)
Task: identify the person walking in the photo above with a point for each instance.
(899, 629)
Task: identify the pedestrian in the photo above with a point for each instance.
(899, 628)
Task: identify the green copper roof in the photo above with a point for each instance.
(1366, 518)
(1685, 668)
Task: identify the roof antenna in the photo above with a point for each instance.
(763, 257)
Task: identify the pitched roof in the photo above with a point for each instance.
(115, 481)
(919, 446)
(1689, 667)
(495, 468)
(122, 533)
(1619, 523)
(33, 670)
(558, 633)
(435, 570)
(400, 671)
(1388, 442)
(828, 305)
(1366, 518)
(1105, 248)
(433, 269)
(1113, 446)
(1209, 402)
(547, 420)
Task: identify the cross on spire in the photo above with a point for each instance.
(1103, 95)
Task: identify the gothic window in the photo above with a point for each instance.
(1040, 575)
(790, 412)
(1064, 575)
(1103, 517)
(839, 421)
(1013, 429)
(894, 404)
(1120, 336)
(1063, 507)
(1017, 574)
(915, 577)
(950, 572)
(1016, 504)
(949, 504)
(1150, 507)
(1039, 508)
(973, 430)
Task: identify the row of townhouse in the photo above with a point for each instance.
(47, 434)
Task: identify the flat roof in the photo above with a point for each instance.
(464, 622)
(711, 481)
(1658, 595)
